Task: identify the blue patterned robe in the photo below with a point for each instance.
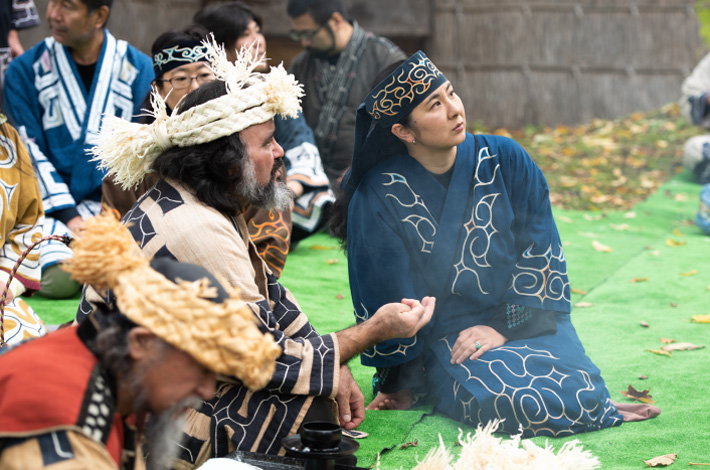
(46, 99)
(487, 241)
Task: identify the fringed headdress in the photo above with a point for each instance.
(223, 337)
(127, 150)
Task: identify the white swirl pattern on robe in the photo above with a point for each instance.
(414, 219)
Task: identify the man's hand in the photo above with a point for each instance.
(465, 345)
(395, 320)
(401, 400)
(351, 402)
(403, 320)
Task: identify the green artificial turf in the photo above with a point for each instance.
(610, 329)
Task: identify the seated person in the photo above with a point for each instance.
(217, 154)
(79, 397)
(234, 26)
(180, 66)
(57, 95)
(21, 226)
(437, 211)
(695, 107)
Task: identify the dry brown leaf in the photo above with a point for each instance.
(671, 242)
(678, 233)
(681, 347)
(339, 296)
(681, 197)
(323, 247)
(331, 261)
(620, 227)
(660, 352)
(413, 443)
(661, 460)
(579, 291)
(639, 279)
(674, 304)
(690, 273)
(701, 318)
(642, 396)
(644, 324)
(600, 247)
(583, 304)
(667, 340)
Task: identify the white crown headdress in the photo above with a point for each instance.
(127, 149)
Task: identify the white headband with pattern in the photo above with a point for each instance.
(126, 150)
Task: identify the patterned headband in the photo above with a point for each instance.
(398, 94)
(127, 150)
(174, 56)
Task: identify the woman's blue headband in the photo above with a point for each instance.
(176, 55)
(407, 86)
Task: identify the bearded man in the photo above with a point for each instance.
(78, 397)
(212, 158)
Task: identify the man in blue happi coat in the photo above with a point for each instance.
(56, 94)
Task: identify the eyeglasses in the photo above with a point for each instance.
(306, 34)
(179, 83)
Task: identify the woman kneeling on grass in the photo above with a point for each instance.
(434, 210)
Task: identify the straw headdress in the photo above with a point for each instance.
(127, 150)
(222, 336)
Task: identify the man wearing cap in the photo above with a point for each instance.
(336, 69)
(57, 94)
(154, 351)
(215, 155)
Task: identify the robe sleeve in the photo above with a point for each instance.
(22, 106)
(27, 227)
(380, 272)
(539, 277)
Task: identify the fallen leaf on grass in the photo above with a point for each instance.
(639, 279)
(681, 347)
(594, 217)
(701, 318)
(564, 219)
(621, 227)
(414, 443)
(583, 304)
(678, 233)
(630, 215)
(690, 273)
(674, 304)
(339, 296)
(643, 377)
(667, 340)
(634, 394)
(671, 242)
(579, 291)
(681, 197)
(654, 253)
(644, 324)
(661, 460)
(323, 247)
(660, 352)
(331, 261)
(601, 247)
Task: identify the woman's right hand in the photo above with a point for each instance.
(401, 400)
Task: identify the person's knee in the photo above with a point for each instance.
(57, 284)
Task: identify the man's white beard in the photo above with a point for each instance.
(164, 433)
(275, 195)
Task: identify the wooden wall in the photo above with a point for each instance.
(548, 62)
(514, 62)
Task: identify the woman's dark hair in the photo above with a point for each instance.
(338, 223)
(226, 21)
(212, 169)
(320, 10)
